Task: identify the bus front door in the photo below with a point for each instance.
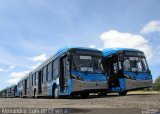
(113, 71)
(64, 73)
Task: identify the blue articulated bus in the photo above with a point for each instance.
(126, 69)
(10, 92)
(3, 93)
(71, 71)
(22, 87)
(13, 91)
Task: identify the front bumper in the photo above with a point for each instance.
(79, 85)
(137, 84)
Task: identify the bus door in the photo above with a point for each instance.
(113, 71)
(64, 73)
(25, 86)
(39, 82)
(15, 90)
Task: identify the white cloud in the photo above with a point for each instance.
(6, 70)
(1, 70)
(100, 49)
(11, 67)
(41, 57)
(152, 26)
(92, 46)
(35, 66)
(115, 38)
(18, 74)
(13, 81)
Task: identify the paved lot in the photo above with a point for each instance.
(110, 101)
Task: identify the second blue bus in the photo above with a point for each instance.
(126, 69)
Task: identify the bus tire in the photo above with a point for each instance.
(55, 93)
(123, 93)
(34, 96)
(84, 95)
(21, 95)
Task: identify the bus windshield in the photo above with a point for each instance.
(135, 64)
(86, 64)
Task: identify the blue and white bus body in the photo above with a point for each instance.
(22, 90)
(9, 92)
(8, 95)
(16, 92)
(13, 91)
(127, 70)
(59, 75)
(4, 93)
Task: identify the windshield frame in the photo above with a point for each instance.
(91, 63)
(137, 58)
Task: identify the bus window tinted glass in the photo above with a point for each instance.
(55, 69)
(44, 74)
(135, 64)
(86, 64)
(49, 70)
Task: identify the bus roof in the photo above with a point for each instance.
(60, 52)
(65, 49)
(110, 51)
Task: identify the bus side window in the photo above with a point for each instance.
(36, 77)
(44, 74)
(66, 67)
(55, 69)
(28, 82)
(49, 71)
(32, 79)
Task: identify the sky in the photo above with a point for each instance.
(33, 30)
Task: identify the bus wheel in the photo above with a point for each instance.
(56, 94)
(34, 96)
(102, 94)
(123, 93)
(21, 95)
(84, 95)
